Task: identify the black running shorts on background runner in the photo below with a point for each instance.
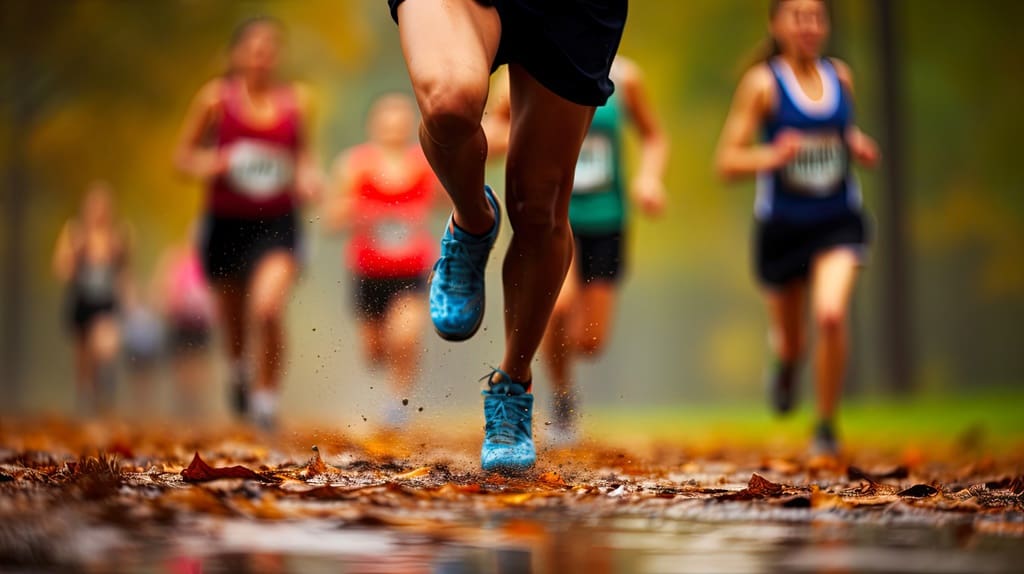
(784, 252)
(373, 295)
(232, 247)
(566, 45)
(599, 256)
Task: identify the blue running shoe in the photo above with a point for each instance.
(457, 280)
(508, 435)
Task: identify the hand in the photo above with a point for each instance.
(309, 185)
(649, 193)
(863, 148)
(785, 147)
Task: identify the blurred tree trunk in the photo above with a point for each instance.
(22, 106)
(897, 335)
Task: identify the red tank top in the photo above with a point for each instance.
(260, 179)
(391, 237)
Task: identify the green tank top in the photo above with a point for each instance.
(598, 202)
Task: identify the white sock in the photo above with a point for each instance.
(264, 402)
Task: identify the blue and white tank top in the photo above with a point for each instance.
(817, 185)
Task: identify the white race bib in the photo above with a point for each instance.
(819, 167)
(391, 236)
(595, 166)
(259, 170)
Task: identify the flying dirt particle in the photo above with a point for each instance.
(420, 409)
(405, 402)
(314, 329)
(547, 423)
(364, 418)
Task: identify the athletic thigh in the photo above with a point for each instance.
(271, 282)
(544, 144)
(448, 45)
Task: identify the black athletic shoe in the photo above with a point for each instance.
(782, 387)
(825, 443)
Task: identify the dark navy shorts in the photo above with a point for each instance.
(566, 45)
(784, 251)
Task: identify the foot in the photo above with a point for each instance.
(825, 443)
(457, 280)
(239, 393)
(508, 435)
(782, 387)
(564, 430)
(264, 409)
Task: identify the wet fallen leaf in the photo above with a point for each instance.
(199, 471)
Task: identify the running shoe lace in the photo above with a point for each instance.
(460, 270)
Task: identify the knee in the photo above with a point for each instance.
(830, 320)
(451, 108)
(267, 315)
(593, 343)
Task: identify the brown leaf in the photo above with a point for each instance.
(199, 471)
(758, 487)
(919, 491)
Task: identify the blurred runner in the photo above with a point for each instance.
(91, 258)
(559, 55)
(187, 307)
(142, 347)
(246, 137)
(810, 234)
(384, 194)
(581, 320)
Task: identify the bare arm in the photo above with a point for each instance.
(309, 181)
(648, 186)
(339, 200)
(190, 156)
(64, 254)
(737, 154)
(863, 148)
(497, 122)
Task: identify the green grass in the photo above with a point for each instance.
(992, 421)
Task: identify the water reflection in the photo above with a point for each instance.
(542, 544)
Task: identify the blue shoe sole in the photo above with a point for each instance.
(507, 469)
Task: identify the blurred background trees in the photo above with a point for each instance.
(98, 88)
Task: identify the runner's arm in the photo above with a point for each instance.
(191, 157)
(309, 180)
(340, 193)
(64, 254)
(863, 147)
(648, 187)
(497, 122)
(737, 154)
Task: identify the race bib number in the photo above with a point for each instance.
(819, 167)
(391, 236)
(259, 170)
(97, 283)
(595, 166)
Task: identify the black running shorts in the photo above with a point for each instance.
(784, 252)
(232, 247)
(566, 45)
(373, 296)
(599, 257)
